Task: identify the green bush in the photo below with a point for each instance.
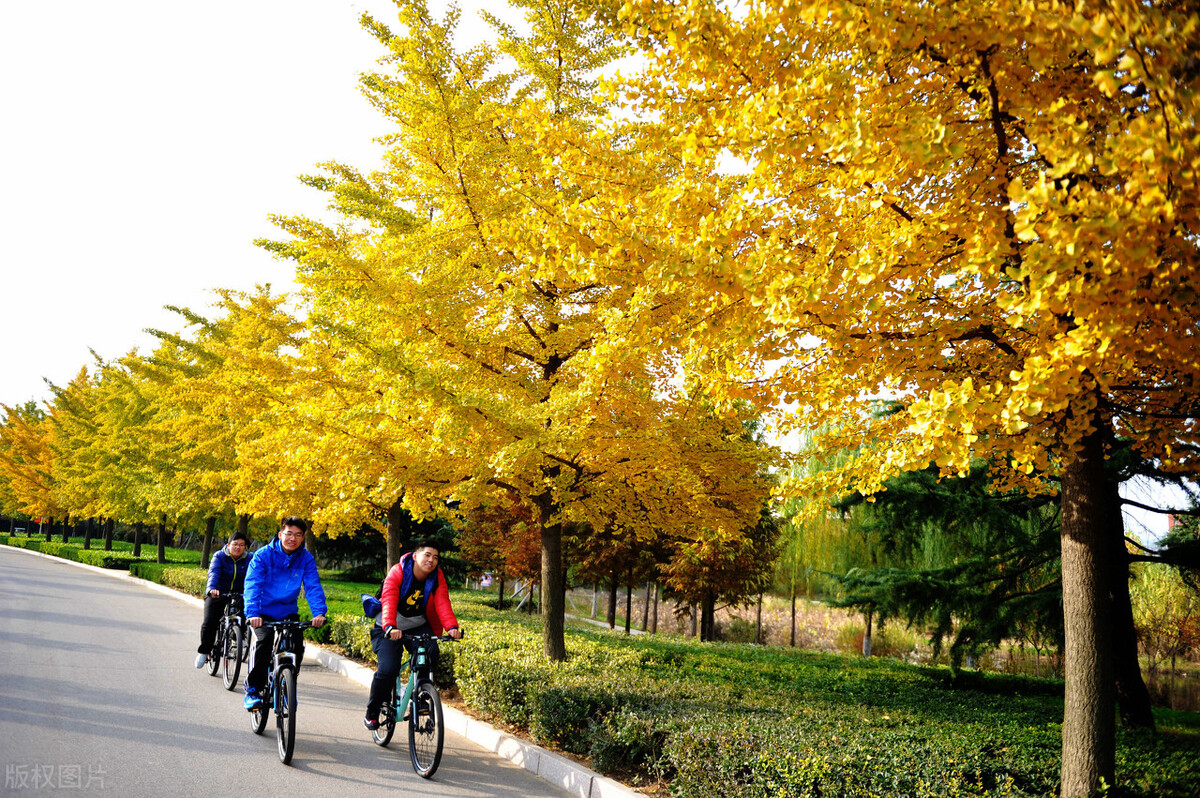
(116, 560)
(353, 634)
(188, 579)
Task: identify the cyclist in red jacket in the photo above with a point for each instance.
(416, 600)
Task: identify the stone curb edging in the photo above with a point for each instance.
(558, 770)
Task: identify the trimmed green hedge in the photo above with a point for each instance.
(748, 721)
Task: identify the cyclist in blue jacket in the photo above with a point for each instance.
(226, 573)
(273, 582)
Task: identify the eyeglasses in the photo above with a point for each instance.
(293, 535)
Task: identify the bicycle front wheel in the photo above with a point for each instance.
(425, 730)
(285, 713)
(232, 656)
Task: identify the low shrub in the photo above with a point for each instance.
(353, 634)
(188, 579)
(116, 560)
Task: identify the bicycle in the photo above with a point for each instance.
(423, 710)
(229, 646)
(280, 694)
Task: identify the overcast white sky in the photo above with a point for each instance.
(145, 142)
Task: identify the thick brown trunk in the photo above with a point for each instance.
(1088, 732)
(553, 604)
(210, 526)
(50, 529)
(137, 539)
(162, 540)
(708, 624)
(108, 533)
(1133, 699)
(395, 539)
(89, 529)
(66, 533)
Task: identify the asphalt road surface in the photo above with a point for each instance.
(99, 696)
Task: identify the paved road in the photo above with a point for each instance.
(98, 696)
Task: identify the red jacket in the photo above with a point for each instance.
(438, 611)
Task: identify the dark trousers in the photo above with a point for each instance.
(389, 655)
(213, 608)
(260, 653)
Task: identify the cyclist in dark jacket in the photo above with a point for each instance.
(226, 573)
(273, 581)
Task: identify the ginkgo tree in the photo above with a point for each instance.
(27, 461)
(987, 212)
(449, 365)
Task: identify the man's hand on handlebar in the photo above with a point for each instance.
(254, 622)
(318, 621)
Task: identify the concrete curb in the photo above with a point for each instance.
(558, 770)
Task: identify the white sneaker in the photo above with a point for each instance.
(201, 660)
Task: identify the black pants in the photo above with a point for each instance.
(260, 653)
(213, 608)
(390, 657)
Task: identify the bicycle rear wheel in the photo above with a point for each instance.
(214, 656)
(387, 721)
(425, 730)
(258, 717)
(285, 712)
(231, 657)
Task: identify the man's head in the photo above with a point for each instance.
(291, 533)
(425, 558)
(238, 543)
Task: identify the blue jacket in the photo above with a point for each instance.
(227, 574)
(274, 579)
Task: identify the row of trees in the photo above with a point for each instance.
(578, 298)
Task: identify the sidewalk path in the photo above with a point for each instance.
(553, 768)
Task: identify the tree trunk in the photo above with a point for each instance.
(553, 606)
(210, 524)
(89, 529)
(611, 615)
(500, 594)
(708, 623)
(1133, 698)
(866, 647)
(654, 618)
(792, 639)
(646, 607)
(50, 529)
(628, 602)
(162, 539)
(137, 539)
(243, 526)
(1088, 732)
(694, 620)
(595, 600)
(108, 533)
(395, 541)
(66, 533)
(758, 623)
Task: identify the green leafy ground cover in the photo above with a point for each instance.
(740, 720)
